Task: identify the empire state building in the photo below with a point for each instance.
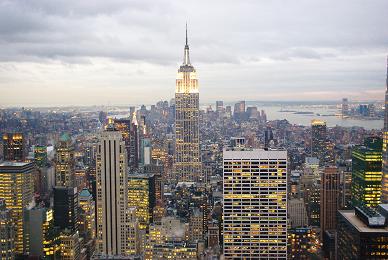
(187, 159)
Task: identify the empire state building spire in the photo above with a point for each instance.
(186, 58)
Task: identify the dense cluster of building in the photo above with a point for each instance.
(174, 181)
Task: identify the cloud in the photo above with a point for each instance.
(249, 45)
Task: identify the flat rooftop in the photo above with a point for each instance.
(13, 164)
(350, 216)
(254, 154)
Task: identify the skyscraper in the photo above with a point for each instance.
(64, 162)
(187, 159)
(330, 197)
(318, 139)
(366, 173)
(255, 204)
(384, 191)
(112, 188)
(17, 189)
(66, 208)
(13, 147)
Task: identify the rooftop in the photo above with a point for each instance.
(13, 164)
(355, 221)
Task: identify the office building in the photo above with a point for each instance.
(219, 106)
(40, 155)
(318, 140)
(87, 223)
(14, 147)
(70, 246)
(64, 162)
(17, 189)
(187, 158)
(329, 198)
(362, 233)
(7, 232)
(297, 213)
(255, 204)
(124, 127)
(134, 144)
(345, 107)
(66, 208)
(112, 188)
(141, 195)
(367, 173)
(303, 242)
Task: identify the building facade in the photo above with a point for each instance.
(187, 158)
(64, 162)
(112, 188)
(255, 204)
(367, 173)
(17, 189)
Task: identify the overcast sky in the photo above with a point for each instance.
(128, 52)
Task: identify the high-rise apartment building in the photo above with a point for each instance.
(65, 162)
(187, 158)
(329, 198)
(255, 204)
(17, 189)
(112, 188)
(14, 147)
(318, 140)
(384, 191)
(367, 173)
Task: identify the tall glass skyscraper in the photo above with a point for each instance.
(187, 159)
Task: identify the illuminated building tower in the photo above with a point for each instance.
(7, 232)
(87, 223)
(40, 237)
(303, 243)
(196, 227)
(330, 198)
(17, 189)
(141, 195)
(40, 155)
(66, 208)
(255, 204)
(362, 233)
(64, 162)
(70, 245)
(124, 126)
(366, 173)
(384, 194)
(112, 188)
(14, 147)
(187, 158)
(133, 233)
(318, 140)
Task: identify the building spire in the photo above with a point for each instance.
(186, 57)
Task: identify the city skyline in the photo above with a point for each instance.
(127, 50)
